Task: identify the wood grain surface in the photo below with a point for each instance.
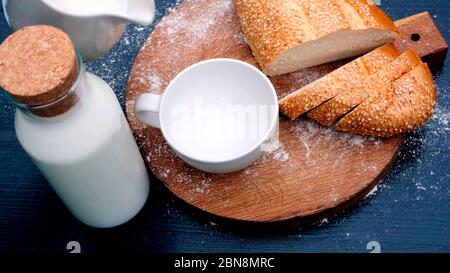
(420, 32)
(315, 170)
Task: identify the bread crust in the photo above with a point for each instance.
(329, 112)
(372, 15)
(399, 108)
(270, 27)
(339, 81)
(273, 26)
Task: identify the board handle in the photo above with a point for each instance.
(421, 33)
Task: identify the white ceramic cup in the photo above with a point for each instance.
(218, 115)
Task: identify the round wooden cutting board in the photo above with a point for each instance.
(314, 170)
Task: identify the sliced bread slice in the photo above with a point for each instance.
(338, 81)
(287, 36)
(399, 108)
(329, 113)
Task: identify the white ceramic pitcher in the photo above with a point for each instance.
(93, 34)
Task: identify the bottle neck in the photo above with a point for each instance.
(69, 100)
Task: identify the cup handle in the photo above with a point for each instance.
(147, 109)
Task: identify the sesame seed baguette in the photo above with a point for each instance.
(370, 13)
(338, 81)
(324, 17)
(289, 35)
(329, 112)
(400, 108)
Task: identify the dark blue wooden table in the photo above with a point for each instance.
(410, 212)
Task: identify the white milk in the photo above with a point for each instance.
(91, 6)
(89, 157)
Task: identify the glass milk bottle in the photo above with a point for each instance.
(72, 126)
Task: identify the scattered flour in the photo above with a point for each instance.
(281, 155)
(154, 82)
(311, 135)
(373, 191)
(196, 29)
(114, 67)
(442, 118)
(204, 186)
(275, 151)
(188, 34)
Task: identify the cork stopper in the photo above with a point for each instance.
(38, 65)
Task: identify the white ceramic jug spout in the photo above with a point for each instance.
(94, 33)
(141, 12)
